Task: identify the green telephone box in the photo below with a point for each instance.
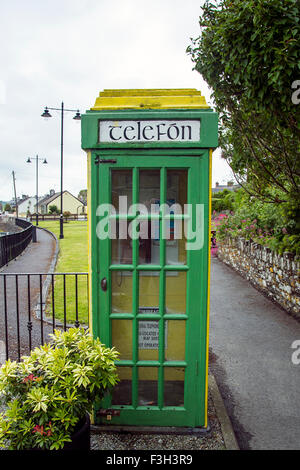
(149, 166)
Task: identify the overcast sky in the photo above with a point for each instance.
(69, 50)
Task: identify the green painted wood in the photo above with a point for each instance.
(162, 288)
(194, 412)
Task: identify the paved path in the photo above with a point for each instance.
(250, 343)
(36, 258)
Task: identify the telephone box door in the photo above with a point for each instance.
(152, 268)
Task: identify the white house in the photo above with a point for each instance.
(26, 206)
(70, 203)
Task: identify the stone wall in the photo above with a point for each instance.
(275, 275)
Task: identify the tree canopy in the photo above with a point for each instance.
(53, 209)
(82, 195)
(248, 52)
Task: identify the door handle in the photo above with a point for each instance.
(104, 284)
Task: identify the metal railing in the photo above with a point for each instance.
(12, 244)
(57, 217)
(33, 305)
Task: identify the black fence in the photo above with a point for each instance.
(33, 305)
(12, 244)
(57, 217)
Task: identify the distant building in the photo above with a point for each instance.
(27, 205)
(70, 203)
(230, 186)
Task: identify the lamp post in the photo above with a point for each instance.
(37, 159)
(77, 117)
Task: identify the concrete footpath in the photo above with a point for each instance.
(36, 258)
(251, 359)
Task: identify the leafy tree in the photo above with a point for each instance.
(82, 195)
(272, 225)
(53, 209)
(248, 53)
(222, 201)
(7, 207)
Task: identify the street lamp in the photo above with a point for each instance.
(37, 159)
(77, 117)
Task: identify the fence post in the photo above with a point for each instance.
(34, 234)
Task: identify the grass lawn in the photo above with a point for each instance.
(72, 258)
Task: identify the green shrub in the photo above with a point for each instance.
(51, 390)
(222, 201)
(275, 225)
(53, 209)
(67, 215)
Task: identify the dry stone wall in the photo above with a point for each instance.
(275, 275)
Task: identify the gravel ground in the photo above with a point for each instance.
(9, 227)
(136, 441)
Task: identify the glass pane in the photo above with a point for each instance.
(148, 340)
(148, 291)
(121, 394)
(176, 292)
(121, 186)
(149, 190)
(177, 187)
(174, 386)
(149, 242)
(121, 292)
(175, 243)
(175, 340)
(122, 338)
(121, 247)
(147, 389)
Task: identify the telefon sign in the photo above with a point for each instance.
(149, 131)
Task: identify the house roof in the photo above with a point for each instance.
(23, 200)
(48, 199)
